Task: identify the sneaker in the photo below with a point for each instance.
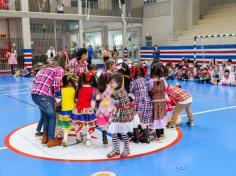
(124, 154)
(38, 134)
(88, 142)
(113, 154)
(158, 140)
(170, 126)
(191, 124)
(163, 136)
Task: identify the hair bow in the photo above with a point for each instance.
(144, 70)
(89, 75)
(104, 74)
(134, 71)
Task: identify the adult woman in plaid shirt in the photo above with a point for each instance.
(46, 84)
(78, 65)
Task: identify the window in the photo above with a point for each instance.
(146, 2)
(74, 3)
(94, 39)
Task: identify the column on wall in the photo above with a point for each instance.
(81, 32)
(27, 50)
(124, 26)
(105, 36)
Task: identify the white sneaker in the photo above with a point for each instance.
(88, 142)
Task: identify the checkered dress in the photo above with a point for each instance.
(143, 105)
(124, 112)
(158, 98)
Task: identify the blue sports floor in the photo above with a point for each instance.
(207, 149)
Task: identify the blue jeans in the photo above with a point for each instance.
(48, 114)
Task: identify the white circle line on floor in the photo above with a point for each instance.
(31, 146)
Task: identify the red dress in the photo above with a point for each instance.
(84, 112)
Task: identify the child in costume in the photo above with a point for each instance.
(124, 70)
(67, 105)
(122, 119)
(226, 78)
(183, 100)
(143, 105)
(159, 84)
(86, 99)
(170, 105)
(215, 75)
(204, 76)
(110, 66)
(233, 83)
(105, 108)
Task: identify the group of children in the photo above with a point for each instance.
(126, 100)
(208, 72)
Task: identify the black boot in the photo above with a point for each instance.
(135, 138)
(104, 137)
(162, 132)
(130, 136)
(145, 138)
(158, 133)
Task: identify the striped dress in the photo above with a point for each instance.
(143, 104)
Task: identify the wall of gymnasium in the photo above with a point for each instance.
(161, 24)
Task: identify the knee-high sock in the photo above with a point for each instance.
(116, 143)
(126, 142)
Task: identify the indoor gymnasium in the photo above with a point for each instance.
(117, 87)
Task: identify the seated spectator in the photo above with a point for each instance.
(191, 72)
(215, 75)
(36, 68)
(233, 83)
(184, 62)
(179, 72)
(204, 76)
(171, 72)
(23, 72)
(226, 78)
(184, 75)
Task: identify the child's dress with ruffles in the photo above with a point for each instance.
(106, 107)
(84, 112)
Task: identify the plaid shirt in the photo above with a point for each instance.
(48, 81)
(77, 67)
(177, 94)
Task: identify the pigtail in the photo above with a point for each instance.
(145, 73)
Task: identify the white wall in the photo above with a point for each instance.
(180, 15)
(104, 4)
(157, 27)
(196, 10)
(193, 13)
(136, 3)
(158, 9)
